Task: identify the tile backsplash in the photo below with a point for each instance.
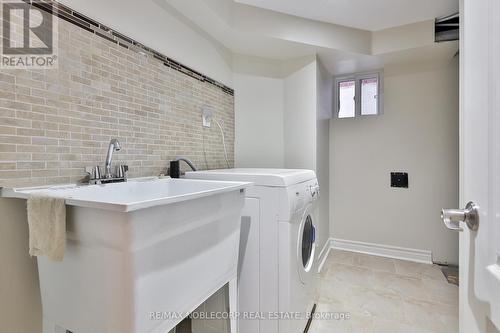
(54, 122)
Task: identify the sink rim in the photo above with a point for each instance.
(226, 186)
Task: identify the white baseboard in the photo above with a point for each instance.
(395, 252)
(324, 254)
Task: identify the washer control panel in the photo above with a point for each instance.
(298, 197)
(314, 191)
(307, 192)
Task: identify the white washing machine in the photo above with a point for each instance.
(278, 256)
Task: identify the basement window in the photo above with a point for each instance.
(358, 95)
(347, 99)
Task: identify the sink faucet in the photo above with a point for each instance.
(187, 160)
(94, 172)
(114, 145)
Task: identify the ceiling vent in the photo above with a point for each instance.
(447, 28)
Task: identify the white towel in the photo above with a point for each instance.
(47, 226)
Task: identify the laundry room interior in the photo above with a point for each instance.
(221, 166)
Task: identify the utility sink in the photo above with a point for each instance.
(140, 255)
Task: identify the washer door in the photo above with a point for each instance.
(306, 244)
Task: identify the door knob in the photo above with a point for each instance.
(470, 215)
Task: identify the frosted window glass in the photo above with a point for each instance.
(347, 103)
(369, 96)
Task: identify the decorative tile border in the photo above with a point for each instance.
(84, 22)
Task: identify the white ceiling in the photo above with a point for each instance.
(370, 15)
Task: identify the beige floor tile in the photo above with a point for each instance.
(333, 291)
(357, 300)
(342, 257)
(431, 316)
(336, 321)
(441, 291)
(405, 286)
(375, 263)
(349, 274)
(377, 303)
(385, 295)
(419, 270)
(353, 325)
(391, 326)
(332, 308)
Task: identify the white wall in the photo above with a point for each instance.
(159, 26)
(418, 133)
(404, 37)
(300, 118)
(324, 107)
(308, 101)
(276, 107)
(259, 106)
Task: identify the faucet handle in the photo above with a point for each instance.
(89, 169)
(94, 172)
(121, 171)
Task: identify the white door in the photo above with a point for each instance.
(480, 164)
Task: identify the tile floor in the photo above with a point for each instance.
(384, 296)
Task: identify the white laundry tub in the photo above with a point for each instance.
(140, 255)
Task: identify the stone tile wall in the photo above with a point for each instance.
(54, 122)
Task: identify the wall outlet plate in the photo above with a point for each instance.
(399, 179)
(205, 121)
(206, 116)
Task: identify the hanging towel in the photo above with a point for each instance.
(47, 226)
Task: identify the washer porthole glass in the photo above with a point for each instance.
(307, 241)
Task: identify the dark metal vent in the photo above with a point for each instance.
(447, 28)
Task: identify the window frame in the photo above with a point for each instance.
(357, 77)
